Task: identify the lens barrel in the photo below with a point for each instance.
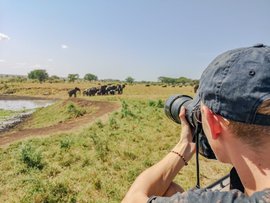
(172, 109)
(174, 104)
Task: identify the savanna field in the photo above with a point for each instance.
(95, 161)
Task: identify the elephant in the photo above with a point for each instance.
(73, 92)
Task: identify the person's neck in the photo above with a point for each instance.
(253, 169)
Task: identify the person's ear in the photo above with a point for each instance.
(214, 123)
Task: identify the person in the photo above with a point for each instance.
(234, 100)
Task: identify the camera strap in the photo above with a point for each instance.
(196, 135)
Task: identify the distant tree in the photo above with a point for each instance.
(130, 79)
(54, 77)
(167, 80)
(73, 77)
(90, 77)
(180, 80)
(38, 74)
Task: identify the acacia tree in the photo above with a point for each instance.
(130, 79)
(38, 74)
(90, 77)
(73, 77)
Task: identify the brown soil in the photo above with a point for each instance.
(103, 108)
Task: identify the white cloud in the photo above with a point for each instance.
(63, 46)
(2, 60)
(4, 37)
(50, 60)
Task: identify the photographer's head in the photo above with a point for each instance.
(235, 88)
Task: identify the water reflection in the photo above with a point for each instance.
(16, 105)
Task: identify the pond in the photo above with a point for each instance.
(17, 105)
(15, 110)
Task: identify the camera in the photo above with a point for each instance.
(193, 116)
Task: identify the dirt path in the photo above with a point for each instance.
(103, 108)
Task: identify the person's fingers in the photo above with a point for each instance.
(182, 115)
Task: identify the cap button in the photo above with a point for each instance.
(259, 45)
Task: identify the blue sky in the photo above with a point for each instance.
(115, 39)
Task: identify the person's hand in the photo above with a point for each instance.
(186, 135)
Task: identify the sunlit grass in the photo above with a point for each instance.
(57, 113)
(98, 163)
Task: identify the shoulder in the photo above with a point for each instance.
(203, 195)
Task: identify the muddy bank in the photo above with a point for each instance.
(13, 121)
(23, 106)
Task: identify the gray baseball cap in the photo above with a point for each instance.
(236, 83)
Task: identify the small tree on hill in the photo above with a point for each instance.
(73, 77)
(90, 77)
(38, 74)
(130, 79)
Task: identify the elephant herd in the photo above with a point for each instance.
(102, 90)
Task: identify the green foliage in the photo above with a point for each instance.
(99, 124)
(31, 157)
(113, 123)
(101, 146)
(54, 79)
(130, 79)
(151, 103)
(38, 74)
(99, 163)
(58, 112)
(6, 113)
(180, 80)
(158, 104)
(90, 77)
(75, 111)
(125, 111)
(73, 77)
(65, 143)
(41, 191)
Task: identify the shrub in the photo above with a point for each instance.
(151, 103)
(113, 123)
(125, 111)
(99, 124)
(31, 157)
(65, 143)
(74, 111)
(160, 103)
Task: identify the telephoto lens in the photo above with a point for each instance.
(173, 106)
(193, 115)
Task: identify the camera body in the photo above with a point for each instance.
(172, 110)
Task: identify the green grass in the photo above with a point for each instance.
(99, 163)
(57, 113)
(4, 114)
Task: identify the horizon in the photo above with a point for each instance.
(140, 39)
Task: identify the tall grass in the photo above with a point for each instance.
(99, 163)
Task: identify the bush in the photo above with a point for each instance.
(160, 104)
(151, 103)
(31, 157)
(113, 123)
(74, 111)
(65, 143)
(125, 111)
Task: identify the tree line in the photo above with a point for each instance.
(41, 75)
(180, 80)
